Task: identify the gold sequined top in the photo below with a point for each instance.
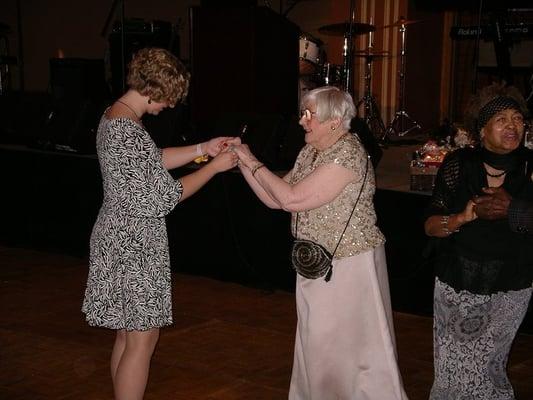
(324, 225)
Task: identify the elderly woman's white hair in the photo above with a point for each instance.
(331, 103)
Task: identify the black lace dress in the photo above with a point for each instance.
(483, 285)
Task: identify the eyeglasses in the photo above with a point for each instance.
(307, 114)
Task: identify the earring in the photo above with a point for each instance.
(333, 127)
(149, 101)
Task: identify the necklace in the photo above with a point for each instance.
(495, 175)
(132, 110)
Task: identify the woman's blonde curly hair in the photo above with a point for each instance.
(158, 74)
(486, 95)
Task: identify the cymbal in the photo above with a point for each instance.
(342, 28)
(400, 22)
(370, 53)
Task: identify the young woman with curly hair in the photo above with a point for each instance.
(129, 283)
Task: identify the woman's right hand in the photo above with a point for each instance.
(216, 145)
(223, 161)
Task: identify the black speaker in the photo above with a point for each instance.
(78, 96)
(138, 34)
(170, 127)
(77, 78)
(15, 107)
(228, 3)
(71, 126)
(243, 60)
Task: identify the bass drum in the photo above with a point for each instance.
(310, 55)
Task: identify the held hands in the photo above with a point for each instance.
(246, 158)
(223, 161)
(216, 145)
(225, 157)
(468, 214)
(494, 204)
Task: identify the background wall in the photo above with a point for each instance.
(73, 29)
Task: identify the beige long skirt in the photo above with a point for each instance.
(345, 347)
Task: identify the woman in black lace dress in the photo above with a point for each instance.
(483, 270)
(128, 287)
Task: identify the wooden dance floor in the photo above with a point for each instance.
(229, 342)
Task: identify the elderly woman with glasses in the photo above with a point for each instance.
(483, 267)
(345, 346)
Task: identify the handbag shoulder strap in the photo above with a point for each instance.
(351, 214)
(353, 209)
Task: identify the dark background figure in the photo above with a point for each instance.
(370, 142)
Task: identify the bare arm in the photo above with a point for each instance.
(174, 157)
(258, 189)
(445, 225)
(318, 188)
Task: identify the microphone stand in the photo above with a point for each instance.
(109, 19)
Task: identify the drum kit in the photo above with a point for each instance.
(316, 71)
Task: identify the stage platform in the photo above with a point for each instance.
(392, 172)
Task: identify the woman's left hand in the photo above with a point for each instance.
(468, 214)
(216, 145)
(246, 157)
(224, 161)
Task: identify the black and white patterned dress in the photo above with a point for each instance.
(129, 284)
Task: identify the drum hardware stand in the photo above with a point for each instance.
(530, 95)
(372, 114)
(347, 52)
(109, 20)
(348, 30)
(397, 124)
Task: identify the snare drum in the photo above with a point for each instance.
(309, 55)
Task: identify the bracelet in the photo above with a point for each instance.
(256, 167)
(444, 224)
(199, 152)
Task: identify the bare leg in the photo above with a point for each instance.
(133, 368)
(118, 351)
